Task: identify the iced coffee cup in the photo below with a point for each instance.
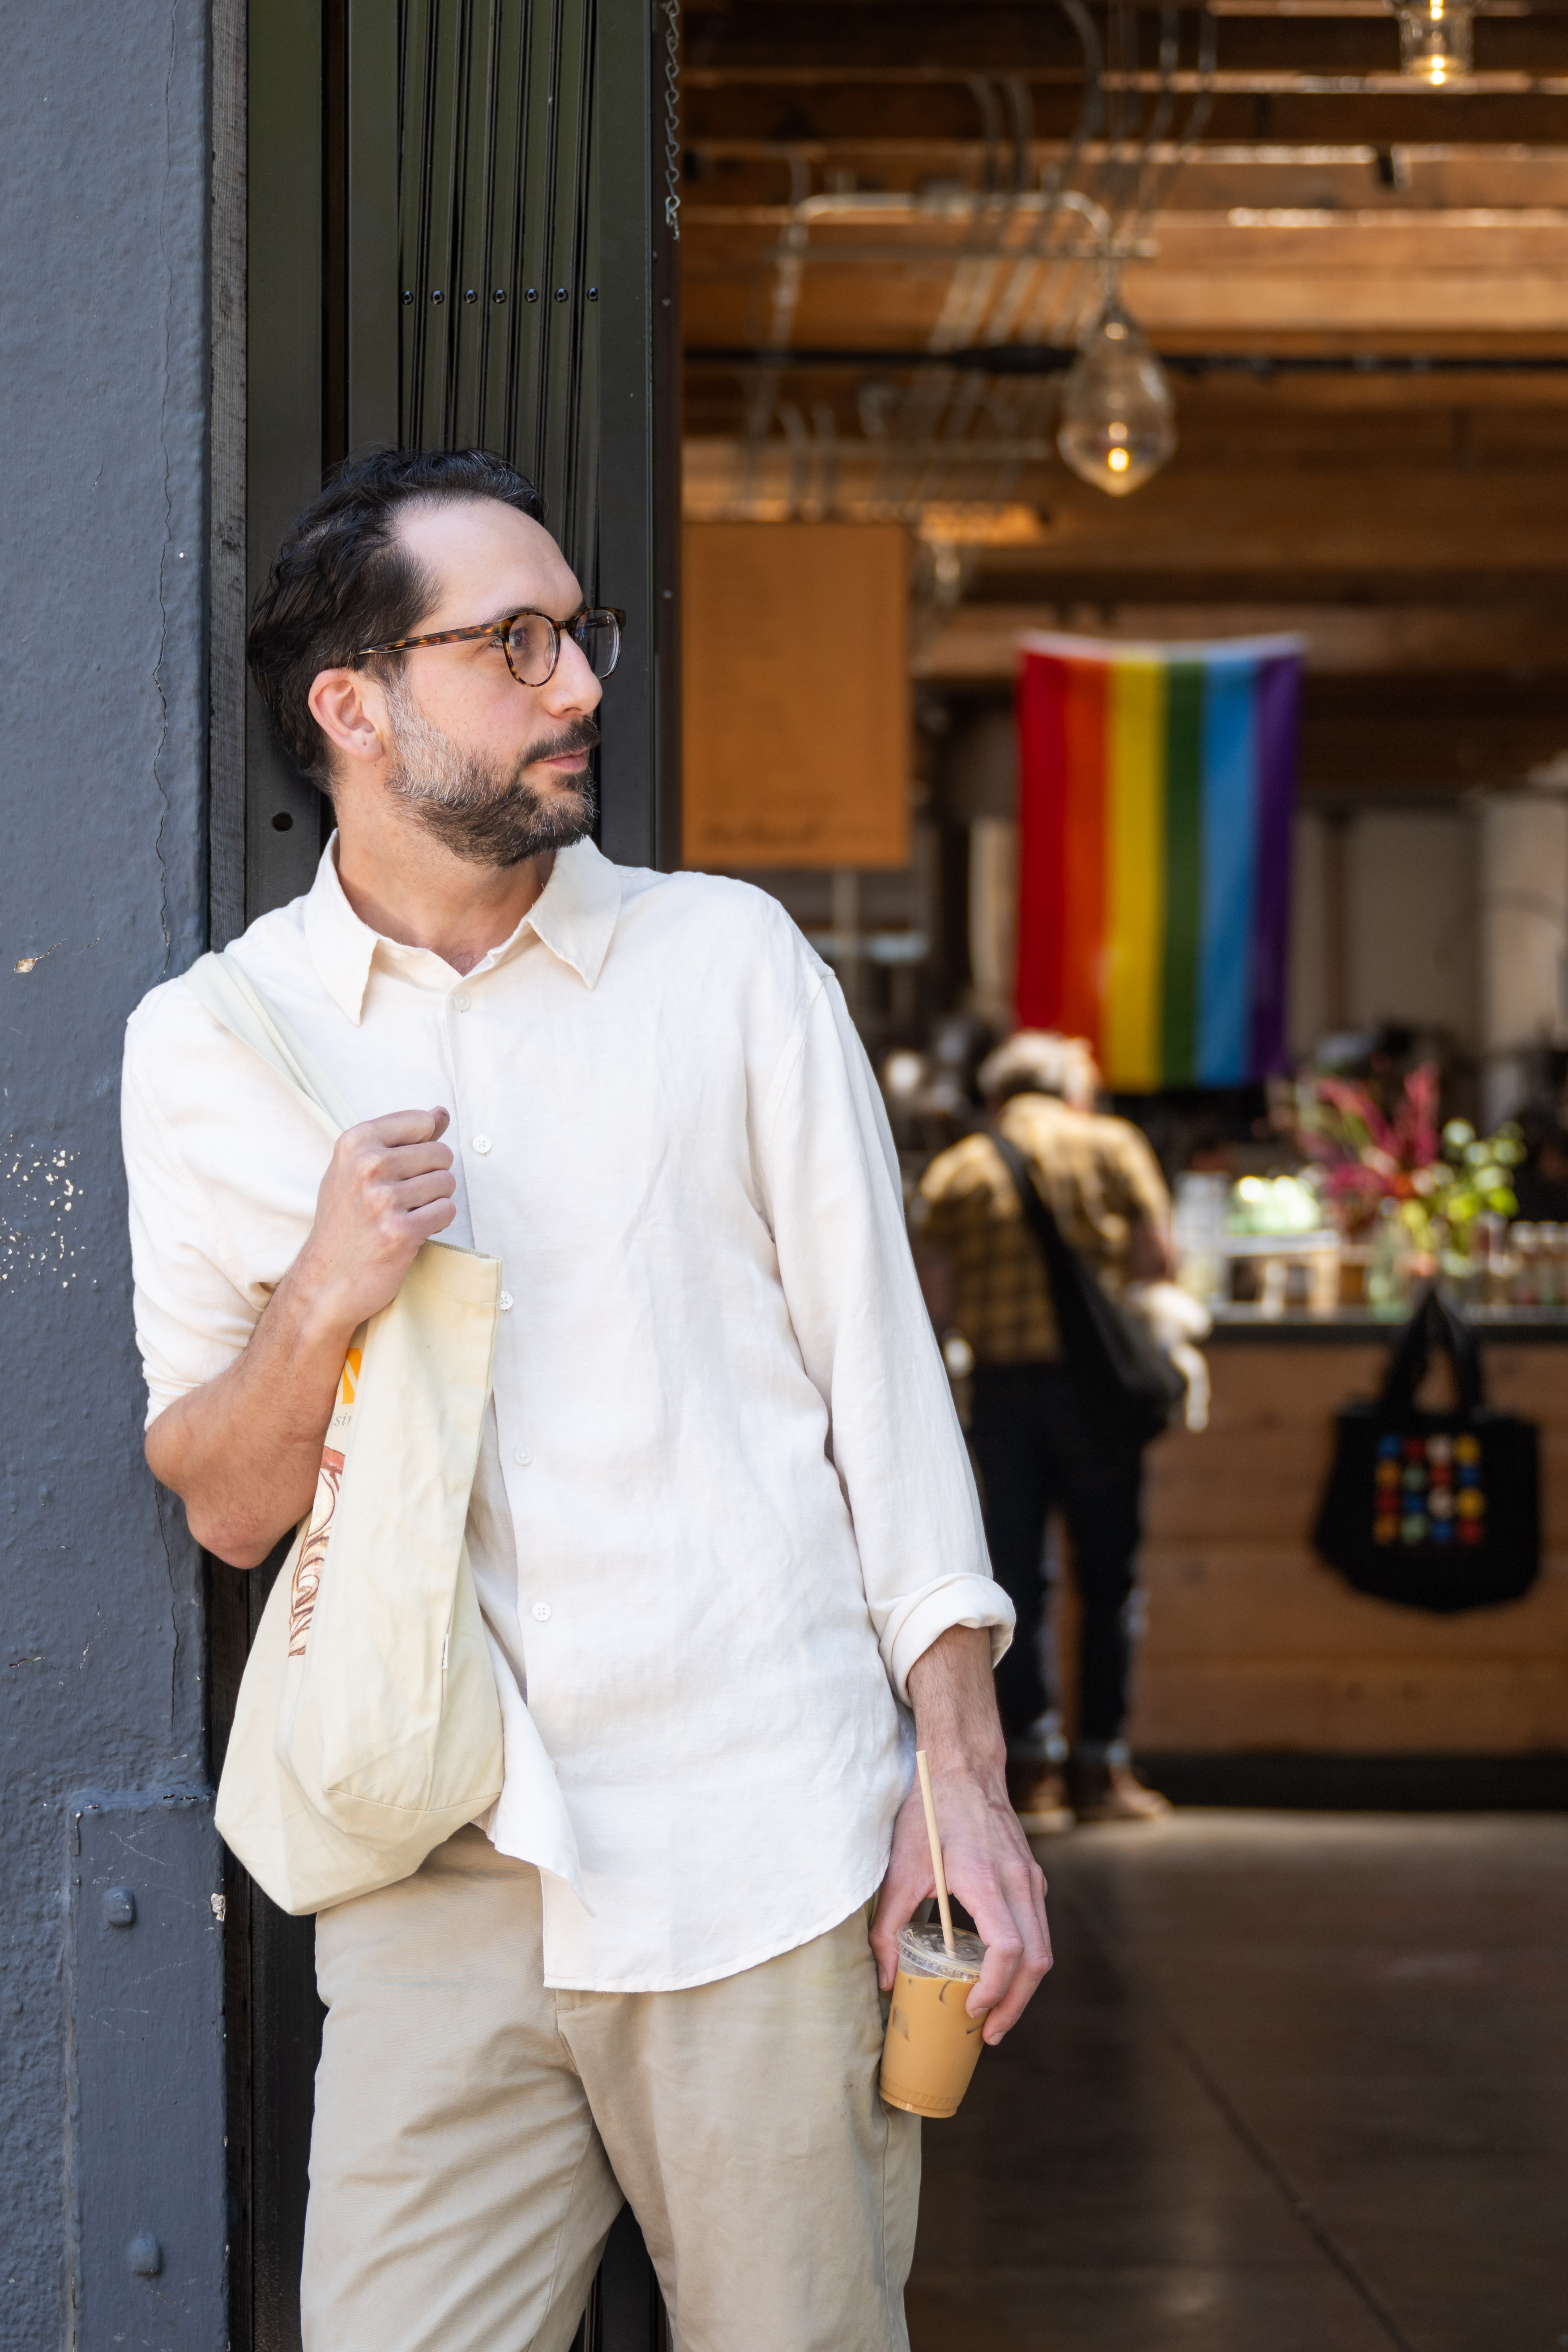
(932, 2042)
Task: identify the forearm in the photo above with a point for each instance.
(242, 1451)
(954, 1701)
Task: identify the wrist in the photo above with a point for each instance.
(973, 1754)
(320, 1323)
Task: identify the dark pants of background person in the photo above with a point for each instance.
(1037, 1452)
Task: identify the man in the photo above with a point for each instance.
(1037, 1450)
(722, 1524)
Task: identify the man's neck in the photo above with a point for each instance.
(411, 891)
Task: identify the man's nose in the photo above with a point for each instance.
(574, 686)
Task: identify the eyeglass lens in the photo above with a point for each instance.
(531, 641)
(599, 635)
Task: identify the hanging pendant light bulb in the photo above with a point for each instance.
(1118, 420)
(1436, 39)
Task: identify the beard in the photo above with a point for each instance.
(482, 809)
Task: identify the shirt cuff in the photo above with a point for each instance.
(926, 1615)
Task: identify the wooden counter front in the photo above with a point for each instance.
(1253, 1645)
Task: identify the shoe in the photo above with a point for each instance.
(1113, 1793)
(1039, 1794)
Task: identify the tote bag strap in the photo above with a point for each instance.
(221, 989)
(1435, 1324)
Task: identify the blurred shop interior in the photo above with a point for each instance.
(901, 230)
(1026, 345)
(1158, 331)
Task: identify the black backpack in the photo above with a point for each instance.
(1124, 1380)
(1434, 1510)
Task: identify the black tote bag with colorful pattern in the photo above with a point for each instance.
(1434, 1510)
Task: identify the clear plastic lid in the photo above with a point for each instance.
(922, 1952)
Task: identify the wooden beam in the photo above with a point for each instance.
(802, 46)
(1487, 520)
(756, 171)
(839, 108)
(1222, 306)
(1313, 519)
(976, 644)
(1248, 275)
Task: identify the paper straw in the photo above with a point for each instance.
(923, 1768)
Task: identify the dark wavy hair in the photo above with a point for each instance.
(341, 579)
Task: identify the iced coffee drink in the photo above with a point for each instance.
(932, 2042)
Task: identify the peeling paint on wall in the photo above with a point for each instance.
(39, 1197)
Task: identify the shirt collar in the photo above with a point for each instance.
(577, 912)
(574, 917)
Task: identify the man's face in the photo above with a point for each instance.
(496, 771)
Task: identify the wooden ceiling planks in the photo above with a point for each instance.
(1330, 218)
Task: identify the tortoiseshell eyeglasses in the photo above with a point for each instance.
(531, 641)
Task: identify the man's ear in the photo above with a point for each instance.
(351, 710)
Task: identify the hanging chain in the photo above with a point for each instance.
(671, 13)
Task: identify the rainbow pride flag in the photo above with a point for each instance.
(1156, 787)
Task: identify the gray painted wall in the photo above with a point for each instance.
(103, 403)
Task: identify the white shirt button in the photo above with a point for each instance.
(542, 1611)
(482, 1144)
(460, 1003)
(521, 1454)
(505, 1302)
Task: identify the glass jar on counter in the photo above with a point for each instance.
(1388, 1267)
(1522, 1248)
(1495, 1261)
(1198, 1233)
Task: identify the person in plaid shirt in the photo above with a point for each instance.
(1034, 1449)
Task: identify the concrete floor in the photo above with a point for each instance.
(1297, 2084)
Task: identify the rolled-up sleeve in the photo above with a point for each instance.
(866, 1339)
(192, 1316)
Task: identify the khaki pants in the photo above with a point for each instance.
(474, 2135)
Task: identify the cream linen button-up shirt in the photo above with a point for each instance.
(723, 1502)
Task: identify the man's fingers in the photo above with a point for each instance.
(1028, 1969)
(1006, 1902)
(369, 1165)
(905, 1886)
(1004, 1951)
(1042, 1917)
(1006, 1984)
(399, 1127)
(414, 1159)
(419, 1190)
(884, 1949)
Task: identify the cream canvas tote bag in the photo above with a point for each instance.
(367, 1727)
